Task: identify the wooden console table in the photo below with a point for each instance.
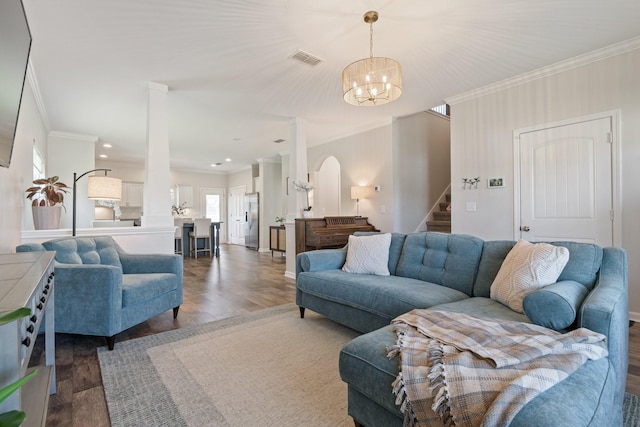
(26, 280)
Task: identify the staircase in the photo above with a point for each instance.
(441, 219)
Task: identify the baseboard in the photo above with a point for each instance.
(635, 316)
(290, 274)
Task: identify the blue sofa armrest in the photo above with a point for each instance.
(88, 299)
(606, 310)
(30, 247)
(324, 259)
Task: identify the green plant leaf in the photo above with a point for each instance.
(11, 388)
(12, 418)
(10, 316)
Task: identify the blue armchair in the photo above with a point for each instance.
(102, 290)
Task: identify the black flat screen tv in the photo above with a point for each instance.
(15, 44)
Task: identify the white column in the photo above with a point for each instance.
(297, 172)
(157, 198)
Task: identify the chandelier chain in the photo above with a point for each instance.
(371, 39)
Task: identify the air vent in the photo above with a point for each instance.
(279, 140)
(306, 58)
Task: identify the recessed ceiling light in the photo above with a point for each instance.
(279, 140)
(227, 159)
(103, 156)
(107, 145)
(216, 164)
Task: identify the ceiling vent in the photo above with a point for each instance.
(279, 140)
(306, 58)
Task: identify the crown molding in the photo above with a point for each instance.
(549, 70)
(71, 135)
(35, 88)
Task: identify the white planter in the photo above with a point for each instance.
(46, 217)
(307, 214)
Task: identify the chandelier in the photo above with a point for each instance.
(373, 80)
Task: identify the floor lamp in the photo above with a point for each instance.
(99, 188)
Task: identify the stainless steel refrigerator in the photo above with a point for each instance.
(251, 201)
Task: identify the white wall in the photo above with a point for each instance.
(17, 178)
(365, 159)
(482, 145)
(270, 199)
(421, 167)
(68, 153)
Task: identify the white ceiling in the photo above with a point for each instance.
(233, 88)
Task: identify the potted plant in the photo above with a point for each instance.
(47, 197)
(180, 209)
(13, 418)
(280, 220)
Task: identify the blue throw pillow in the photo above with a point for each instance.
(555, 306)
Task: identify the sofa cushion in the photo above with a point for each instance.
(395, 249)
(368, 254)
(493, 254)
(527, 267)
(138, 288)
(449, 260)
(584, 263)
(85, 250)
(483, 307)
(385, 296)
(555, 306)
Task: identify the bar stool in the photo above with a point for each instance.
(177, 237)
(201, 230)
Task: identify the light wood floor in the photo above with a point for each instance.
(240, 281)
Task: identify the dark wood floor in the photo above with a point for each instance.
(240, 281)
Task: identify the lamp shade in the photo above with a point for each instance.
(372, 81)
(359, 192)
(104, 188)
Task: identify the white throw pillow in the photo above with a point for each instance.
(368, 254)
(526, 268)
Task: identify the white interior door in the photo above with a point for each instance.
(236, 215)
(566, 183)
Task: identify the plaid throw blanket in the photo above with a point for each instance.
(460, 370)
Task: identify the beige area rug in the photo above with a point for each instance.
(267, 368)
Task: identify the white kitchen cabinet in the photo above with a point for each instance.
(184, 194)
(132, 194)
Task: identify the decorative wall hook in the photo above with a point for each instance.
(470, 183)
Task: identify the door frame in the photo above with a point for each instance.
(616, 176)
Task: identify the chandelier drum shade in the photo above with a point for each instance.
(374, 80)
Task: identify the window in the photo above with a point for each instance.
(441, 109)
(212, 207)
(38, 164)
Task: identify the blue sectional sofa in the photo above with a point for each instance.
(455, 272)
(102, 290)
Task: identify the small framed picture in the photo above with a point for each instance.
(495, 182)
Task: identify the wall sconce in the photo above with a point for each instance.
(359, 192)
(99, 188)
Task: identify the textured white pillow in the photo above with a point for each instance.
(526, 268)
(368, 254)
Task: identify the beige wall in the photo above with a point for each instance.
(482, 145)
(15, 210)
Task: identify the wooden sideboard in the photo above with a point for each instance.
(26, 280)
(328, 232)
